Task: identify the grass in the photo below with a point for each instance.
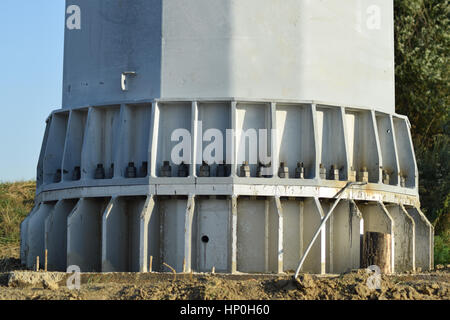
(16, 201)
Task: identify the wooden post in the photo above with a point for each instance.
(184, 265)
(45, 263)
(37, 263)
(150, 265)
(377, 251)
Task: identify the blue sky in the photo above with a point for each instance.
(31, 60)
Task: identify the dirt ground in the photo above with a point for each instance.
(22, 285)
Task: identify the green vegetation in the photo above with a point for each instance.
(422, 56)
(442, 249)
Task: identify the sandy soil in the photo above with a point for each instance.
(164, 286)
(19, 284)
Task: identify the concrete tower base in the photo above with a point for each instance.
(111, 221)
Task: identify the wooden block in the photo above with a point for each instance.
(377, 251)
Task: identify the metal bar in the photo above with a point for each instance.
(324, 221)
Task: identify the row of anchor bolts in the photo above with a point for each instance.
(387, 177)
(222, 170)
(76, 175)
(100, 172)
(334, 173)
(283, 171)
(130, 171)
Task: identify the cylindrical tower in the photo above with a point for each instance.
(218, 133)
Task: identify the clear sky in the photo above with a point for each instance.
(31, 60)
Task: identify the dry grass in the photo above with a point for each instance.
(9, 258)
(16, 201)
